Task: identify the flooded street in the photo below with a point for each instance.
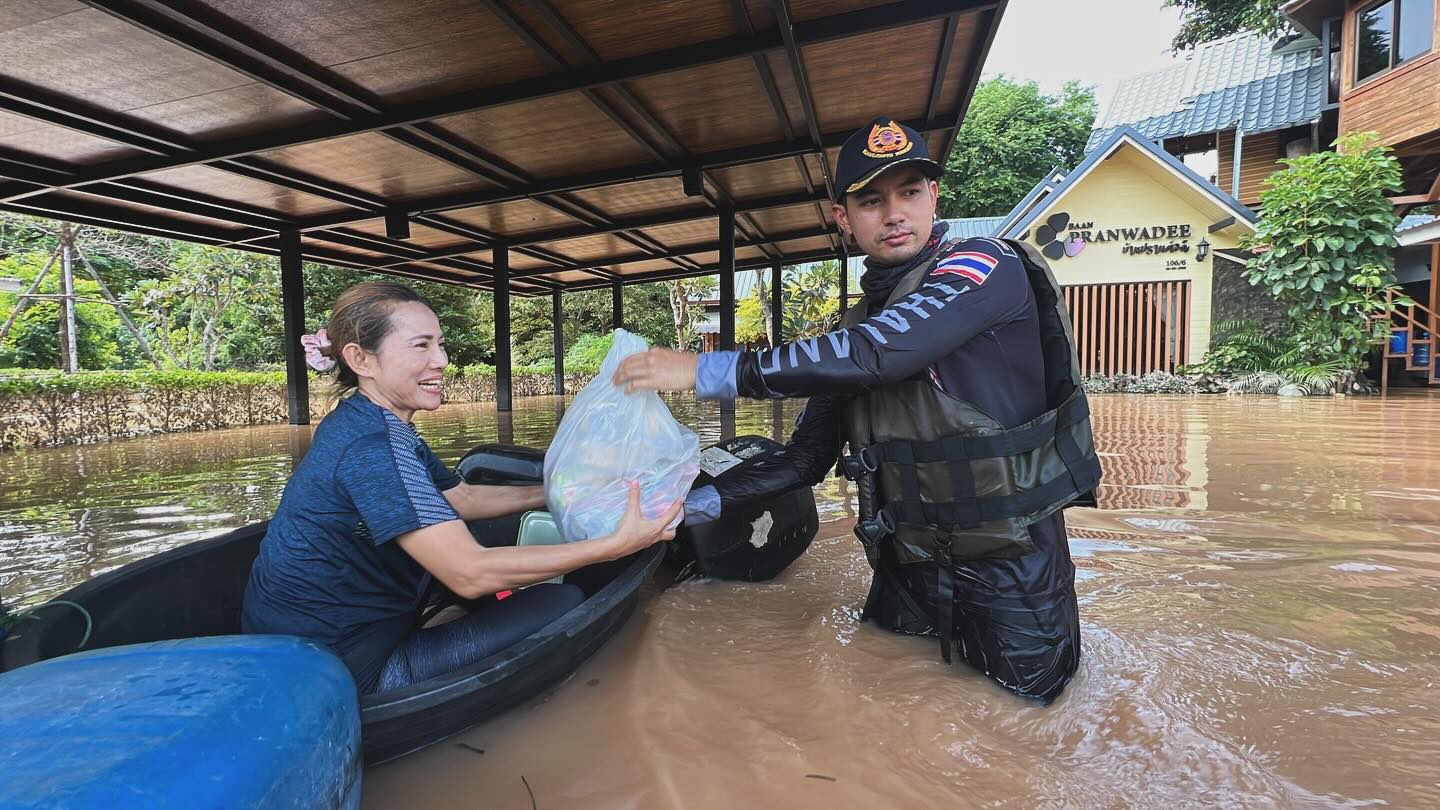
(1260, 600)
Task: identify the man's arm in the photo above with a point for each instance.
(977, 285)
(804, 461)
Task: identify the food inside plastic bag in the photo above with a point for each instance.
(608, 438)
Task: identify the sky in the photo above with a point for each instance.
(1054, 41)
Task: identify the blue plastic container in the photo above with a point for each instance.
(221, 722)
(1399, 339)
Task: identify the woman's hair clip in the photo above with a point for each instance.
(317, 351)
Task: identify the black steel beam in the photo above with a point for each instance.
(557, 320)
(617, 304)
(30, 101)
(727, 279)
(682, 252)
(840, 26)
(843, 257)
(708, 270)
(777, 314)
(292, 304)
(501, 264)
(802, 83)
(976, 63)
(942, 62)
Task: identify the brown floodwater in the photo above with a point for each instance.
(1260, 602)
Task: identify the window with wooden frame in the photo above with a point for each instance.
(1391, 33)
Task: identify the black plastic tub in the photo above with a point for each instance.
(197, 590)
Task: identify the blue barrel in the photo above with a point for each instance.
(1399, 339)
(222, 722)
(1422, 355)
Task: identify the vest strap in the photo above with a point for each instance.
(1010, 443)
(945, 593)
(980, 510)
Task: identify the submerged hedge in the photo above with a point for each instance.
(48, 408)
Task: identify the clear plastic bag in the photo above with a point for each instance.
(608, 438)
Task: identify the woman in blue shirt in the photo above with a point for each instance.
(371, 517)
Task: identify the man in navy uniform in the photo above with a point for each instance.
(955, 386)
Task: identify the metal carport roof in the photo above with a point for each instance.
(587, 141)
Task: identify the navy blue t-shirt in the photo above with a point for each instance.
(327, 568)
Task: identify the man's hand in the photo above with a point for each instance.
(657, 370)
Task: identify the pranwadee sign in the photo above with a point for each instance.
(1060, 236)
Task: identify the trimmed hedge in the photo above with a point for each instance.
(49, 408)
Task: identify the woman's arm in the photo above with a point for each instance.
(478, 501)
(448, 551)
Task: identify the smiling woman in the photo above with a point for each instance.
(372, 522)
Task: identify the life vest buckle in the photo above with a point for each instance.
(871, 532)
(856, 465)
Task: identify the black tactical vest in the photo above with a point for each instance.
(946, 482)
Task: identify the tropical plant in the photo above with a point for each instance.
(1244, 347)
(811, 301)
(1323, 248)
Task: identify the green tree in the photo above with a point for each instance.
(1206, 20)
(683, 296)
(1013, 136)
(811, 300)
(1323, 247)
(750, 320)
(34, 342)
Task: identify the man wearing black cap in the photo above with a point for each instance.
(955, 386)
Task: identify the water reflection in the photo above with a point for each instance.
(1261, 626)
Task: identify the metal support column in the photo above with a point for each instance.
(292, 302)
(727, 279)
(500, 259)
(844, 258)
(617, 305)
(777, 319)
(1235, 166)
(727, 308)
(557, 317)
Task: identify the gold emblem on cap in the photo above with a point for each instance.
(887, 141)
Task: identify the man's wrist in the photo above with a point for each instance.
(715, 375)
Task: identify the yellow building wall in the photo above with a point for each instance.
(1130, 191)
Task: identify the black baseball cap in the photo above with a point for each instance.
(883, 144)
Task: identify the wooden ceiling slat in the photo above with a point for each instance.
(34, 137)
(377, 165)
(713, 107)
(769, 179)
(661, 24)
(420, 235)
(549, 137)
(686, 233)
(389, 48)
(630, 200)
(513, 218)
(785, 220)
(836, 67)
(592, 248)
(217, 183)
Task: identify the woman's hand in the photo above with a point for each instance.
(658, 369)
(636, 532)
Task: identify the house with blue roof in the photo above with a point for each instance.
(1238, 105)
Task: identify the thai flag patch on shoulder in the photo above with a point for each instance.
(971, 265)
